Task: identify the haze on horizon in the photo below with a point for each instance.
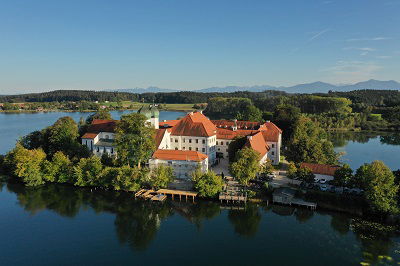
(48, 45)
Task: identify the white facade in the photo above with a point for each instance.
(205, 145)
(182, 168)
(102, 143)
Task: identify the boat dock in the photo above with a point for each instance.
(161, 194)
(286, 196)
(232, 197)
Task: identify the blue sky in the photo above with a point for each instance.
(195, 44)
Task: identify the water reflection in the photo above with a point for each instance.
(137, 222)
(341, 139)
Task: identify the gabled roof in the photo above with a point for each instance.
(322, 169)
(240, 124)
(102, 125)
(223, 133)
(194, 124)
(177, 155)
(168, 123)
(159, 136)
(89, 135)
(257, 143)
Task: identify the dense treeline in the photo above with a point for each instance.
(70, 95)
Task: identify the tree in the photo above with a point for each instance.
(246, 165)
(207, 184)
(129, 178)
(305, 174)
(27, 165)
(309, 144)
(63, 168)
(285, 117)
(100, 114)
(292, 171)
(379, 185)
(343, 176)
(62, 135)
(267, 168)
(234, 146)
(161, 176)
(87, 172)
(134, 139)
(250, 113)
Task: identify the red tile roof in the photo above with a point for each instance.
(176, 155)
(102, 125)
(194, 124)
(89, 135)
(240, 124)
(159, 136)
(223, 133)
(168, 123)
(271, 126)
(322, 169)
(257, 143)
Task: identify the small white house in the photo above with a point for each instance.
(321, 171)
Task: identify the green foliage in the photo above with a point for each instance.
(229, 108)
(343, 176)
(286, 117)
(309, 144)
(161, 176)
(26, 165)
(267, 168)
(87, 172)
(379, 185)
(134, 139)
(292, 171)
(250, 113)
(234, 146)
(246, 165)
(100, 114)
(207, 184)
(63, 169)
(128, 178)
(305, 174)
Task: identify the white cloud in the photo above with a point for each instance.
(369, 39)
(364, 49)
(384, 56)
(351, 71)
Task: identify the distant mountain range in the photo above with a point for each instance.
(300, 88)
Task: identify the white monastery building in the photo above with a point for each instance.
(193, 141)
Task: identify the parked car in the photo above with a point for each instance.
(323, 187)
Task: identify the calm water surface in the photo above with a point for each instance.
(62, 225)
(359, 148)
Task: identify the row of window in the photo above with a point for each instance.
(104, 149)
(190, 148)
(222, 143)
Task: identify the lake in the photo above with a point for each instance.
(62, 225)
(364, 147)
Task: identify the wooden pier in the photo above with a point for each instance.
(287, 196)
(180, 193)
(232, 197)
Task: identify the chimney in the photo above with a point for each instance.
(249, 137)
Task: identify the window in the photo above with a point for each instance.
(273, 153)
(217, 142)
(219, 149)
(112, 150)
(172, 140)
(190, 140)
(197, 149)
(176, 140)
(176, 149)
(197, 141)
(204, 141)
(273, 145)
(190, 148)
(184, 140)
(203, 149)
(183, 148)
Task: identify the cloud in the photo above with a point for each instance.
(351, 71)
(311, 39)
(368, 39)
(364, 49)
(384, 56)
(318, 34)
